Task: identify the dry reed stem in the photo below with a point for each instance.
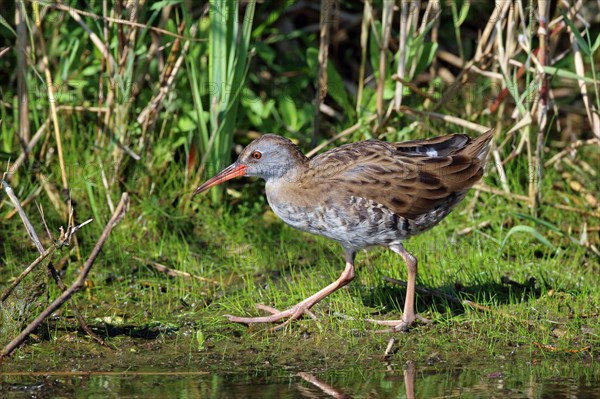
(531, 192)
(485, 42)
(364, 42)
(388, 348)
(511, 36)
(169, 72)
(435, 32)
(322, 83)
(108, 69)
(22, 90)
(495, 191)
(580, 70)
(52, 101)
(400, 72)
(501, 53)
(542, 110)
(25, 202)
(76, 286)
(469, 230)
(416, 7)
(41, 212)
(500, 169)
(595, 214)
(517, 38)
(73, 11)
(99, 127)
(386, 28)
(526, 199)
(173, 272)
(570, 149)
(109, 201)
(453, 60)
(449, 119)
(414, 88)
(28, 226)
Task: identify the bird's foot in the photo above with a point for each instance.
(302, 307)
(292, 313)
(401, 325)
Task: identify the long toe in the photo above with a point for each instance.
(292, 313)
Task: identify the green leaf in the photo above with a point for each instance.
(529, 230)
(538, 221)
(427, 55)
(458, 17)
(585, 48)
(5, 23)
(267, 53)
(596, 44)
(289, 112)
(464, 12)
(91, 70)
(337, 90)
(164, 3)
(563, 73)
(185, 123)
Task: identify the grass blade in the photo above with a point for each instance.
(529, 230)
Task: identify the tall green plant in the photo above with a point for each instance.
(228, 60)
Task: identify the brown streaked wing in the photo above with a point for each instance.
(404, 180)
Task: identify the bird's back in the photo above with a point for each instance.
(409, 178)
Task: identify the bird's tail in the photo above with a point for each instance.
(480, 147)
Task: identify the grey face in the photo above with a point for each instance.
(269, 157)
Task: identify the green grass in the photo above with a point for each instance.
(257, 259)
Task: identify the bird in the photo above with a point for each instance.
(363, 194)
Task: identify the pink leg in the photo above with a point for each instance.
(408, 316)
(302, 307)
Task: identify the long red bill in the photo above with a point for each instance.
(232, 171)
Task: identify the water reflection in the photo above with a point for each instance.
(393, 381)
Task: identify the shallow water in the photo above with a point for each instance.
(403, 382)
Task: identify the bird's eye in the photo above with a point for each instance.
(256, 155)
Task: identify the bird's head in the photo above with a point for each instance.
(268, 157)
